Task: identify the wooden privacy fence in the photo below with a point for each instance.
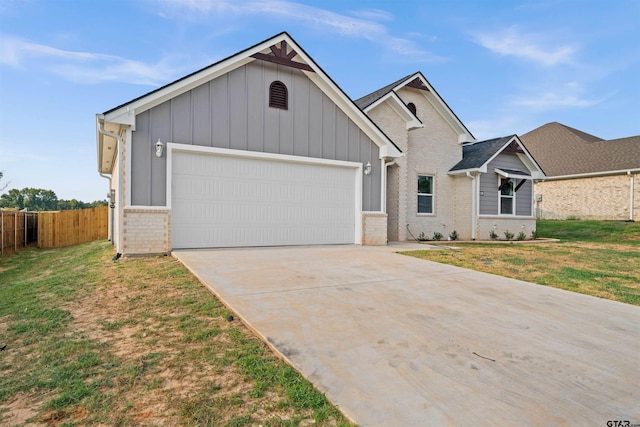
(52, 229)
(17, 229)
(65, 228)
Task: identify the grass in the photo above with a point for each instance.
(599, 258)
(135, 342)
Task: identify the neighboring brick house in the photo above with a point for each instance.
(587, 177)
(264, 149)
(446, 181)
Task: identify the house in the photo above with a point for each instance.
(264, 149)
(447, 181)
(586, 177)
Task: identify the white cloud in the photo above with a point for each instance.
(83, 67)
(532, 47)
(361, 25)
(564, 96)
(495, 127)
(374, 14)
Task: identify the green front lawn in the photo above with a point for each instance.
(135, 342)
(599, 258)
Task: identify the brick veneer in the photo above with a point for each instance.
(374, 229)
(146, 231)
(603, 197)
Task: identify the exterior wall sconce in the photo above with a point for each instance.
(367, 168)
(159, 148)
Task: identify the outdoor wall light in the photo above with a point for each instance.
(159, 148)
(367, 168)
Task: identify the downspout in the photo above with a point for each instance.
(118, 139)
(631, 189)
(384, 182)
(111, 207)
(473, 205)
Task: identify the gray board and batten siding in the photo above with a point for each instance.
(232, 111)
(489, 183)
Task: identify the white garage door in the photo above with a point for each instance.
(230, 201)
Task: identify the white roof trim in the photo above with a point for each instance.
(400, 108)
(126, 114)
(512, 175)
(529, 162)
(593, 174)
(441, 107)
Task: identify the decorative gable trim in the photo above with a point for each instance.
(417, 84)
(512, 146)
(280, 55)
(275, 49)
(418, 81)
(400, 108)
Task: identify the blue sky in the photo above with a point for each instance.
(504, 66)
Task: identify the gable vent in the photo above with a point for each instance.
(412, 107)
(278, 95)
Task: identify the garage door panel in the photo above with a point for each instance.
(224, 201)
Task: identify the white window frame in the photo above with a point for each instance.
(512, 196)
(432, 194)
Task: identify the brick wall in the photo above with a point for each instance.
(146, 231)
(462, 213)
(500, 224)
(604, 198)
(432, 150)
(395, 128)
(374, 229)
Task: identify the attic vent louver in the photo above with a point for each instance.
(278, 95)
(412, 107)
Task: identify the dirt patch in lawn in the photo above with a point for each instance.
(136, 342)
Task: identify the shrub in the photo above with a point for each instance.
(534, 234)
(437, 236)
(422, 237)
(522, 236)
(493, 235)
(508, 235)
(453, 235)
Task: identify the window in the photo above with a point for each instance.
(278, 95)
(507, 196)
(425, 194)
(412, 107)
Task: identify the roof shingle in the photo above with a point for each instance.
(476, 154)
(561, 150)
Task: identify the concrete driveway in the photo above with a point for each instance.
(398, 341)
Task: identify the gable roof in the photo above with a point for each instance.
(418, 80)
(561, 150)
(124, 115)
(476, 156)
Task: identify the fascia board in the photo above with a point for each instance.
(510, 175)
(526, 158)
(127, 113)
(592, 174)
(394, 101)
(106, 148)
(529, 161)
(464, 171)
(354, 113)
(442, 108)
(497, 153)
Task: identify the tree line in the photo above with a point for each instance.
(38, 199)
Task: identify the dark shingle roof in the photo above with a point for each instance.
(561, 150)
(476, 154)
(367, 100)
